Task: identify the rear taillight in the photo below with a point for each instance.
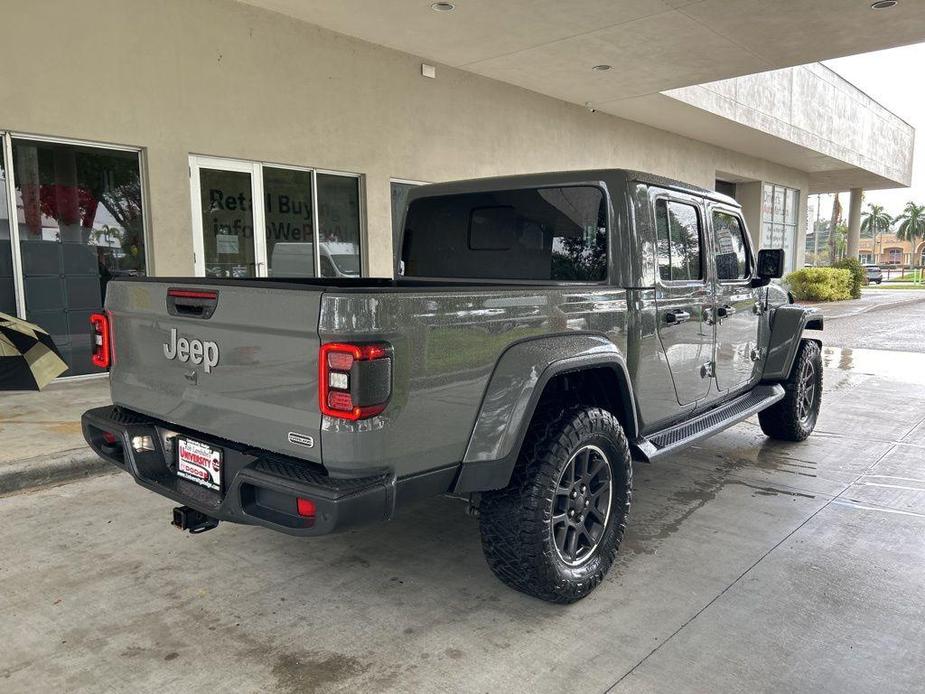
(101, 340)
(354, 381)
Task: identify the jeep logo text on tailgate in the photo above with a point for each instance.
(194, 351)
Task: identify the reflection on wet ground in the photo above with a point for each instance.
(908, 367)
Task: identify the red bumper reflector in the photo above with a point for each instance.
(306, 507)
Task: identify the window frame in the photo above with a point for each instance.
(255, 169)
(698, 205)
(749, 258)
(609, 220)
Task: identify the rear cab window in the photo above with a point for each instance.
(554, 234)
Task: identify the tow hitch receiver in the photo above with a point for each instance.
(186, 518)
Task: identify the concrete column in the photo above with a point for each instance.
(854, 222)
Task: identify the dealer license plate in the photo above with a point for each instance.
(199, 463)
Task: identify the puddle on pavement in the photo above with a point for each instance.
(908, 367)
(672, 498)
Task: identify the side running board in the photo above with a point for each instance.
(674, 438)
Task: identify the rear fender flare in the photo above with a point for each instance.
(513, 393)
(788, 324)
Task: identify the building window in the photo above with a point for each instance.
(399, 190)
(79, 222)
(867, 259)
(893, 256)
(779, 220)
(7, 280)
(308, 222)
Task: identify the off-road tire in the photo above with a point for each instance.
(516, 522)
(784, 420)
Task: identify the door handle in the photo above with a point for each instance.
(725, 311)
(677, 316)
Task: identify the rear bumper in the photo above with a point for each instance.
(259, 488)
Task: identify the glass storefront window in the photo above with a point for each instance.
(399, 191)
(260, 220)
(7, 286)
(780, 210)
(339, 225)
(80, 223)
(287, 195)
(228, 223)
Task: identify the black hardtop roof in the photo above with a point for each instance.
(474, 185)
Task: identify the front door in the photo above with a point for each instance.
(738, 305)
(227, 242)
(683, 297)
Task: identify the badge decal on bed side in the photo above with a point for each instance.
(301, 440)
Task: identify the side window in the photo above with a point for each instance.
(731, 250)
(678, 228)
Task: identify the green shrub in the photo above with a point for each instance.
(820, 284)
(858, 274)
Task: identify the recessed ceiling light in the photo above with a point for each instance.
(883, 4)
(600, 68)
(443, 7)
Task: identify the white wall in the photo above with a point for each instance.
(215, 77)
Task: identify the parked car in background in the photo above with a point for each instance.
(874, 274)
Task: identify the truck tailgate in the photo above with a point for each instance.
(257, 373)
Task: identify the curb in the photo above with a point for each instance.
(44, 470)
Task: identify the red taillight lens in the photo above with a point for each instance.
(354, 381)
(305, 507)
(101, 337)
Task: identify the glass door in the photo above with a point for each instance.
(7, 276)
(228, 236)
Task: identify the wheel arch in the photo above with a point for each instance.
(787, 326)
(528, 373)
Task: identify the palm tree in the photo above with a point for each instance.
(911, 224)
(875, 221)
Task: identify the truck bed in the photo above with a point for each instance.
(446, 338)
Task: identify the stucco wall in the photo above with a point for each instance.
(214, 77)
(812, 106)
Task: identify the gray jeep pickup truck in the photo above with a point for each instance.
(543, 333)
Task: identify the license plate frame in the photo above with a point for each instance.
(200, 463)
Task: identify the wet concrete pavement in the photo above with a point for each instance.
(882, 320)
(749, 565)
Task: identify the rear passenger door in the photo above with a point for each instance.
(738, 304)
(683, 295)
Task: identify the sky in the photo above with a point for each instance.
(894, 78)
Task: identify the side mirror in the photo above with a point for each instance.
(770, 266)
